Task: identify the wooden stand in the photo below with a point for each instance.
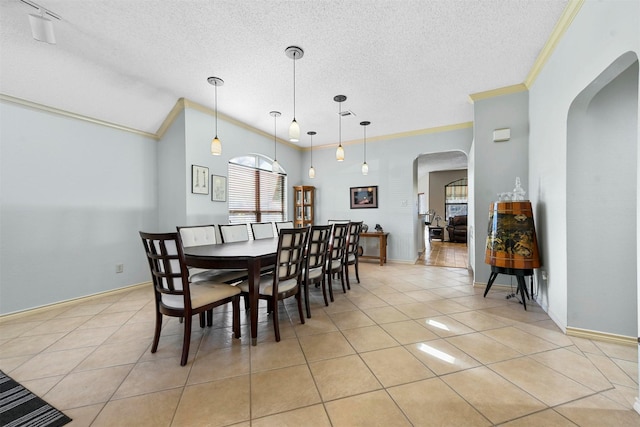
(520, 275)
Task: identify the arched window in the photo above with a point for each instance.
(256, 192)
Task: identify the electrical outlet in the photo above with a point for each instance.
(119, 268)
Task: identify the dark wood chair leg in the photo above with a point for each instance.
(357, 274)
(156, 334)
(235, 303)
(330, 284)
(299, 298)
(276, 323)
(186, 340)
(307, 304)
(324, 292)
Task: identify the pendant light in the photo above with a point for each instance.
(275, 167)
(295, 53)
(312, 171)
(365, 166)
(216, 145)
(340, 151)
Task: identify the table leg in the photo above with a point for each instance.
(383, 249)
(254, 283)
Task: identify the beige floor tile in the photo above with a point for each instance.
(491, 395)
(274, 355)
(418, 310)
(445, 326)
(319, 323)
(22, 346)
(442, 357)
(519, 340)
(220, 363)
(598, 411)
(586, 346)
(282, 390)
(443, 407)
(367, 300)
(447, 306)
(577, 367)
(342, 377)
(397, 298)
(371, 409)
(107, 319)
(409, 331)
(483, 348)
(85, 415)
(113, 355)
(386, 314)
(87, 388)
(149, 377)
(619, 351)
(340, 304)
(547, 418)
(41, 386)
(544, 331)
(477, 320)
(83, 338)
(545, 384)
(66, 324)
(351, 319)
(369, 338)
(423, 295)
(395, 366)
(611, 370)
(51, 364)
(630, 368)
(325, 346)
(216, 403)
(149, 410)
(311, 416)
(13, 330)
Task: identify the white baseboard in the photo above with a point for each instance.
(602, 336)
(18, 314)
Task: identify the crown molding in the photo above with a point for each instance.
(561, 27)
(417, 132)
(57, 111)
(507, 90)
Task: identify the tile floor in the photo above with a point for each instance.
(410, 345)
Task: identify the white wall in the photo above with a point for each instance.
(74, 195)
(391, 168)
(600, 34)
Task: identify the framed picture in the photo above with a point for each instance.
(364, 197)
(199, 179)
(218, 188)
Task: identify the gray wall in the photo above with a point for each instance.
(73, 197)
(601, 207)
(496, 164)
(602, 34)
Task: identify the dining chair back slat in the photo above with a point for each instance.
(316, 262)
(262, 230)
(335, 261)
(234, 232)
(351, 253)
(283, 224)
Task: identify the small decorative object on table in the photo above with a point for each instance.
(379, 228)
(365, 228)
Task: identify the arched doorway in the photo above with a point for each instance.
(602, 231)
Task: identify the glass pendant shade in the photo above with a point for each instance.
(340, 153)
(216, 146)
(312, 172)
(275, 166)
(365, 168)
(294, 131)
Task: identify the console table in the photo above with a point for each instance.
(436, 233)
(382, 243)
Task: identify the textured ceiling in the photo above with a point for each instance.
(403, 65)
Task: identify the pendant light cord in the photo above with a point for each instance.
(294, 85)
(216, 107)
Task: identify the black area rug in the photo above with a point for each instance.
(21, 408)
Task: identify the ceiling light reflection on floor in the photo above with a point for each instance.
(436, 353)
(438, 325)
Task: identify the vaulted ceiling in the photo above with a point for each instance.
(404, 65)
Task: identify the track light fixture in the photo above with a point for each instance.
(41, 25)
(216, 145)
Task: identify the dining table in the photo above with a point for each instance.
(251, 255)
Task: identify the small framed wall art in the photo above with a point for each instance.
(218, 188)
(364, 197)
(199, 179)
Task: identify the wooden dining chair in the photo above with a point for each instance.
(335, 260)
(176, 296)
(351, 253)
(262, 230)
(316, 262)
(285, 280)
(234, 232)
(200, 235)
